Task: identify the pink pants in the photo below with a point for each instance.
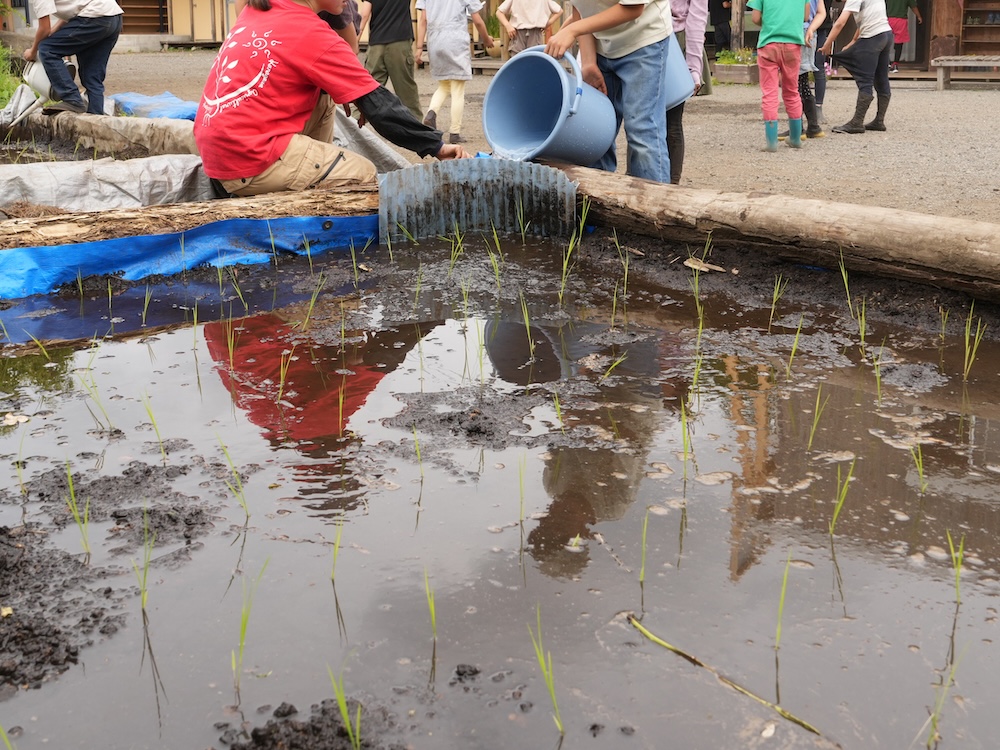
(774, 60)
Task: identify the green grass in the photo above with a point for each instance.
(545, 664)
(8, 81)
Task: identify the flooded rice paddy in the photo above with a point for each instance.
(400, 471)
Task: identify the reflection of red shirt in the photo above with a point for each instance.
(310, 403)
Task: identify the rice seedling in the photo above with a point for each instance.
(698, 305)
(624, 259)
(388, 244)
(308, 249)
(934, 720)
(522, 225)
(685, 440)
(354, 264)
(847, 283)
(611, 368)
(842, 487)
(645, 526)
(416, 447)
(861, 310)
(156, 428)
(558, 408)
(430, 604)
(496, 258)
(406, 233)
(82, 520)
(781, 601)
(270, 236)
(956, 562)
(6, 740)
(145, 303)
(284, 361)
(353, 729)
(817, 414)
(614, 305)
(527, 326)
(232, 337)
(3, 330)
(79, 284)
(780, 285)
(110, 305)
(237, 289)
(90, 386)
(972, 341)
(416, 290)
(465, 287)
(457, 241)
(795, 347)
(194, 327)
(235, 486)
(19, 464)
(522, 466)
(696, 375)
(237, 654)
(40, 345)
(320, 283)
(877, 366)
(567, 265)
(183, 258)
(943, 314)
(634, 621)
(148, 540)
(918, 462)
(218, 273)
(336, 549)
(545, 664)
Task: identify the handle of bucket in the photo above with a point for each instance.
(575, 64)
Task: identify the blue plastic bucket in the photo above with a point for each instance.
(534, 109)
(679, 84)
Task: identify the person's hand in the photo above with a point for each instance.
(511, 33)
(450, 151)
(488, 42)
(560, 43)
(30, 54)
(827, 49)
(809, 36)
(361, 115)
(418, 57)
(593, 75)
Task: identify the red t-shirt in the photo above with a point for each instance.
(265, 83)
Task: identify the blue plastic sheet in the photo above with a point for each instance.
(161, 105)
(40, 270)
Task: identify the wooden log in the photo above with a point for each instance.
(952, 253)
(179, 217)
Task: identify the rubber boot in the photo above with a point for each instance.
(857, 123)
(795, 133)
(819, 111)
(811, 113)
(771, 133)
(878, 123)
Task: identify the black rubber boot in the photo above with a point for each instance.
(856, 123)
(878, 123)
(813, 128)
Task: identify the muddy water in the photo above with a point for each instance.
(410, 419)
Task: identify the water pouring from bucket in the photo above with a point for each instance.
(535, 109)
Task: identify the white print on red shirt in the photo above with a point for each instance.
(258, 45)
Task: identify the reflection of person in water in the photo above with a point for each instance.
(598, 480)
(323, 385)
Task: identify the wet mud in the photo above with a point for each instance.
(584, 388)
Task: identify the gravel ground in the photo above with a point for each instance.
(941, 154)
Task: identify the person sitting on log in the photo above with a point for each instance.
(265, 120)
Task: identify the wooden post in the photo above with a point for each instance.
(738, 11)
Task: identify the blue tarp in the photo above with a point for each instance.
(161, 105)
(39, 270)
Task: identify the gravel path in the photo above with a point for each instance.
(941, 154)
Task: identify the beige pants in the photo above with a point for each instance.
(456, 90)
(310, 160)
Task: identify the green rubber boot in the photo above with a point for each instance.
(771, 133)
(795, 133)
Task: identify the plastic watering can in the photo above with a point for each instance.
(679, 84)
(535, 109)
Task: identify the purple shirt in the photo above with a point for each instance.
(691, 17)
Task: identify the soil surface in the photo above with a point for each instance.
(938, 155)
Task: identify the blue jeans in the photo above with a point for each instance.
(91, 40)
(635, 87)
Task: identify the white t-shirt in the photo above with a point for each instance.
(654, 25)
(67, 9)
(870, 16)
(529, 14)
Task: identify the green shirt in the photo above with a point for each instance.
(781, 21)
(898, 8)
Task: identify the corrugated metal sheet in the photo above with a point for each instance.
(429, 200)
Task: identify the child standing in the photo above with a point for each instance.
(779, 53)
(526, 20)
(445, 24)
(623, 51)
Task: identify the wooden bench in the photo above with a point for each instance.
(946, 63)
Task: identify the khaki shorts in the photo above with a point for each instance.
(308, 162)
